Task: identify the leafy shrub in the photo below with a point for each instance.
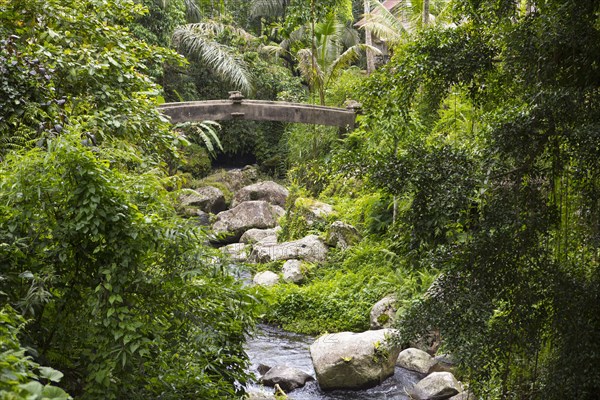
(339, 295)
(195, 161)
(112, 283)
(21, 378)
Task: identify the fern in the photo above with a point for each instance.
(204, 132)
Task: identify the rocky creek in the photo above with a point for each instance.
(272, 346)
(342, 365)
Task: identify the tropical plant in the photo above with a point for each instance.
(199, 41)
(393, 25)
(511, 218)
(268, 8)
(21, 376)
(122, 296)
(332, 47)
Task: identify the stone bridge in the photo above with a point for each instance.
(258, 110)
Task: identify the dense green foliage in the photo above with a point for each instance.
(476, 162)
(21, 376)
(486, 134)
(123, 297)
(338, 296)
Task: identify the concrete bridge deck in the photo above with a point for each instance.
(259, 110)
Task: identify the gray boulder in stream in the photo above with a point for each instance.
(231, 224)
(309, 248)
(436, 386)
(415, 360)
(208, 199)
(268, 191)
(353, 361)
(288, 378)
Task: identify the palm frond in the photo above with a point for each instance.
(192, 11)
(345, 59)
(309, 67)
(349, 36)
(273, 50)
(268, 8)
(197, 41)
(389, 25)
(205, 132)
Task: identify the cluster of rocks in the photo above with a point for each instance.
(439, 381)
(247, 232)
(355, 361)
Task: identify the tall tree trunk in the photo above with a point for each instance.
(425, 12)
(369, 41)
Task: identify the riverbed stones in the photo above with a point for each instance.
(207, 198)
(238, 252)
(354, 361)
(466, 395)
(309, 248)
(313, 210)
(288, 378)
(292, 271)
(255, 395)
(444, 363)
(415, 360)
(438, 386)
(234, 179)
(268, 191)
(342, 235)
(266, 278)
(231, 224)
(383, 313)
(256, 235)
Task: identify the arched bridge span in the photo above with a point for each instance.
(236, 107)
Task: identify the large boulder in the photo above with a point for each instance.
(292, 271)
(436, 386)
(268, 191)
(233, 179)
(354, 361)
(313, 210)
(208, 199)
(256, 235)
(415, 360)
(383, 313)
(342, 235)
(266, 278)
(287, 378)
(231, 224)
(309, 248)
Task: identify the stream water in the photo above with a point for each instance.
(272, 346)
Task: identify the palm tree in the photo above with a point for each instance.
(334, 46)
(268, 8)
(395, 24)
(199, 41)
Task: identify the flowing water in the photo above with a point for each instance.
(272, 346)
